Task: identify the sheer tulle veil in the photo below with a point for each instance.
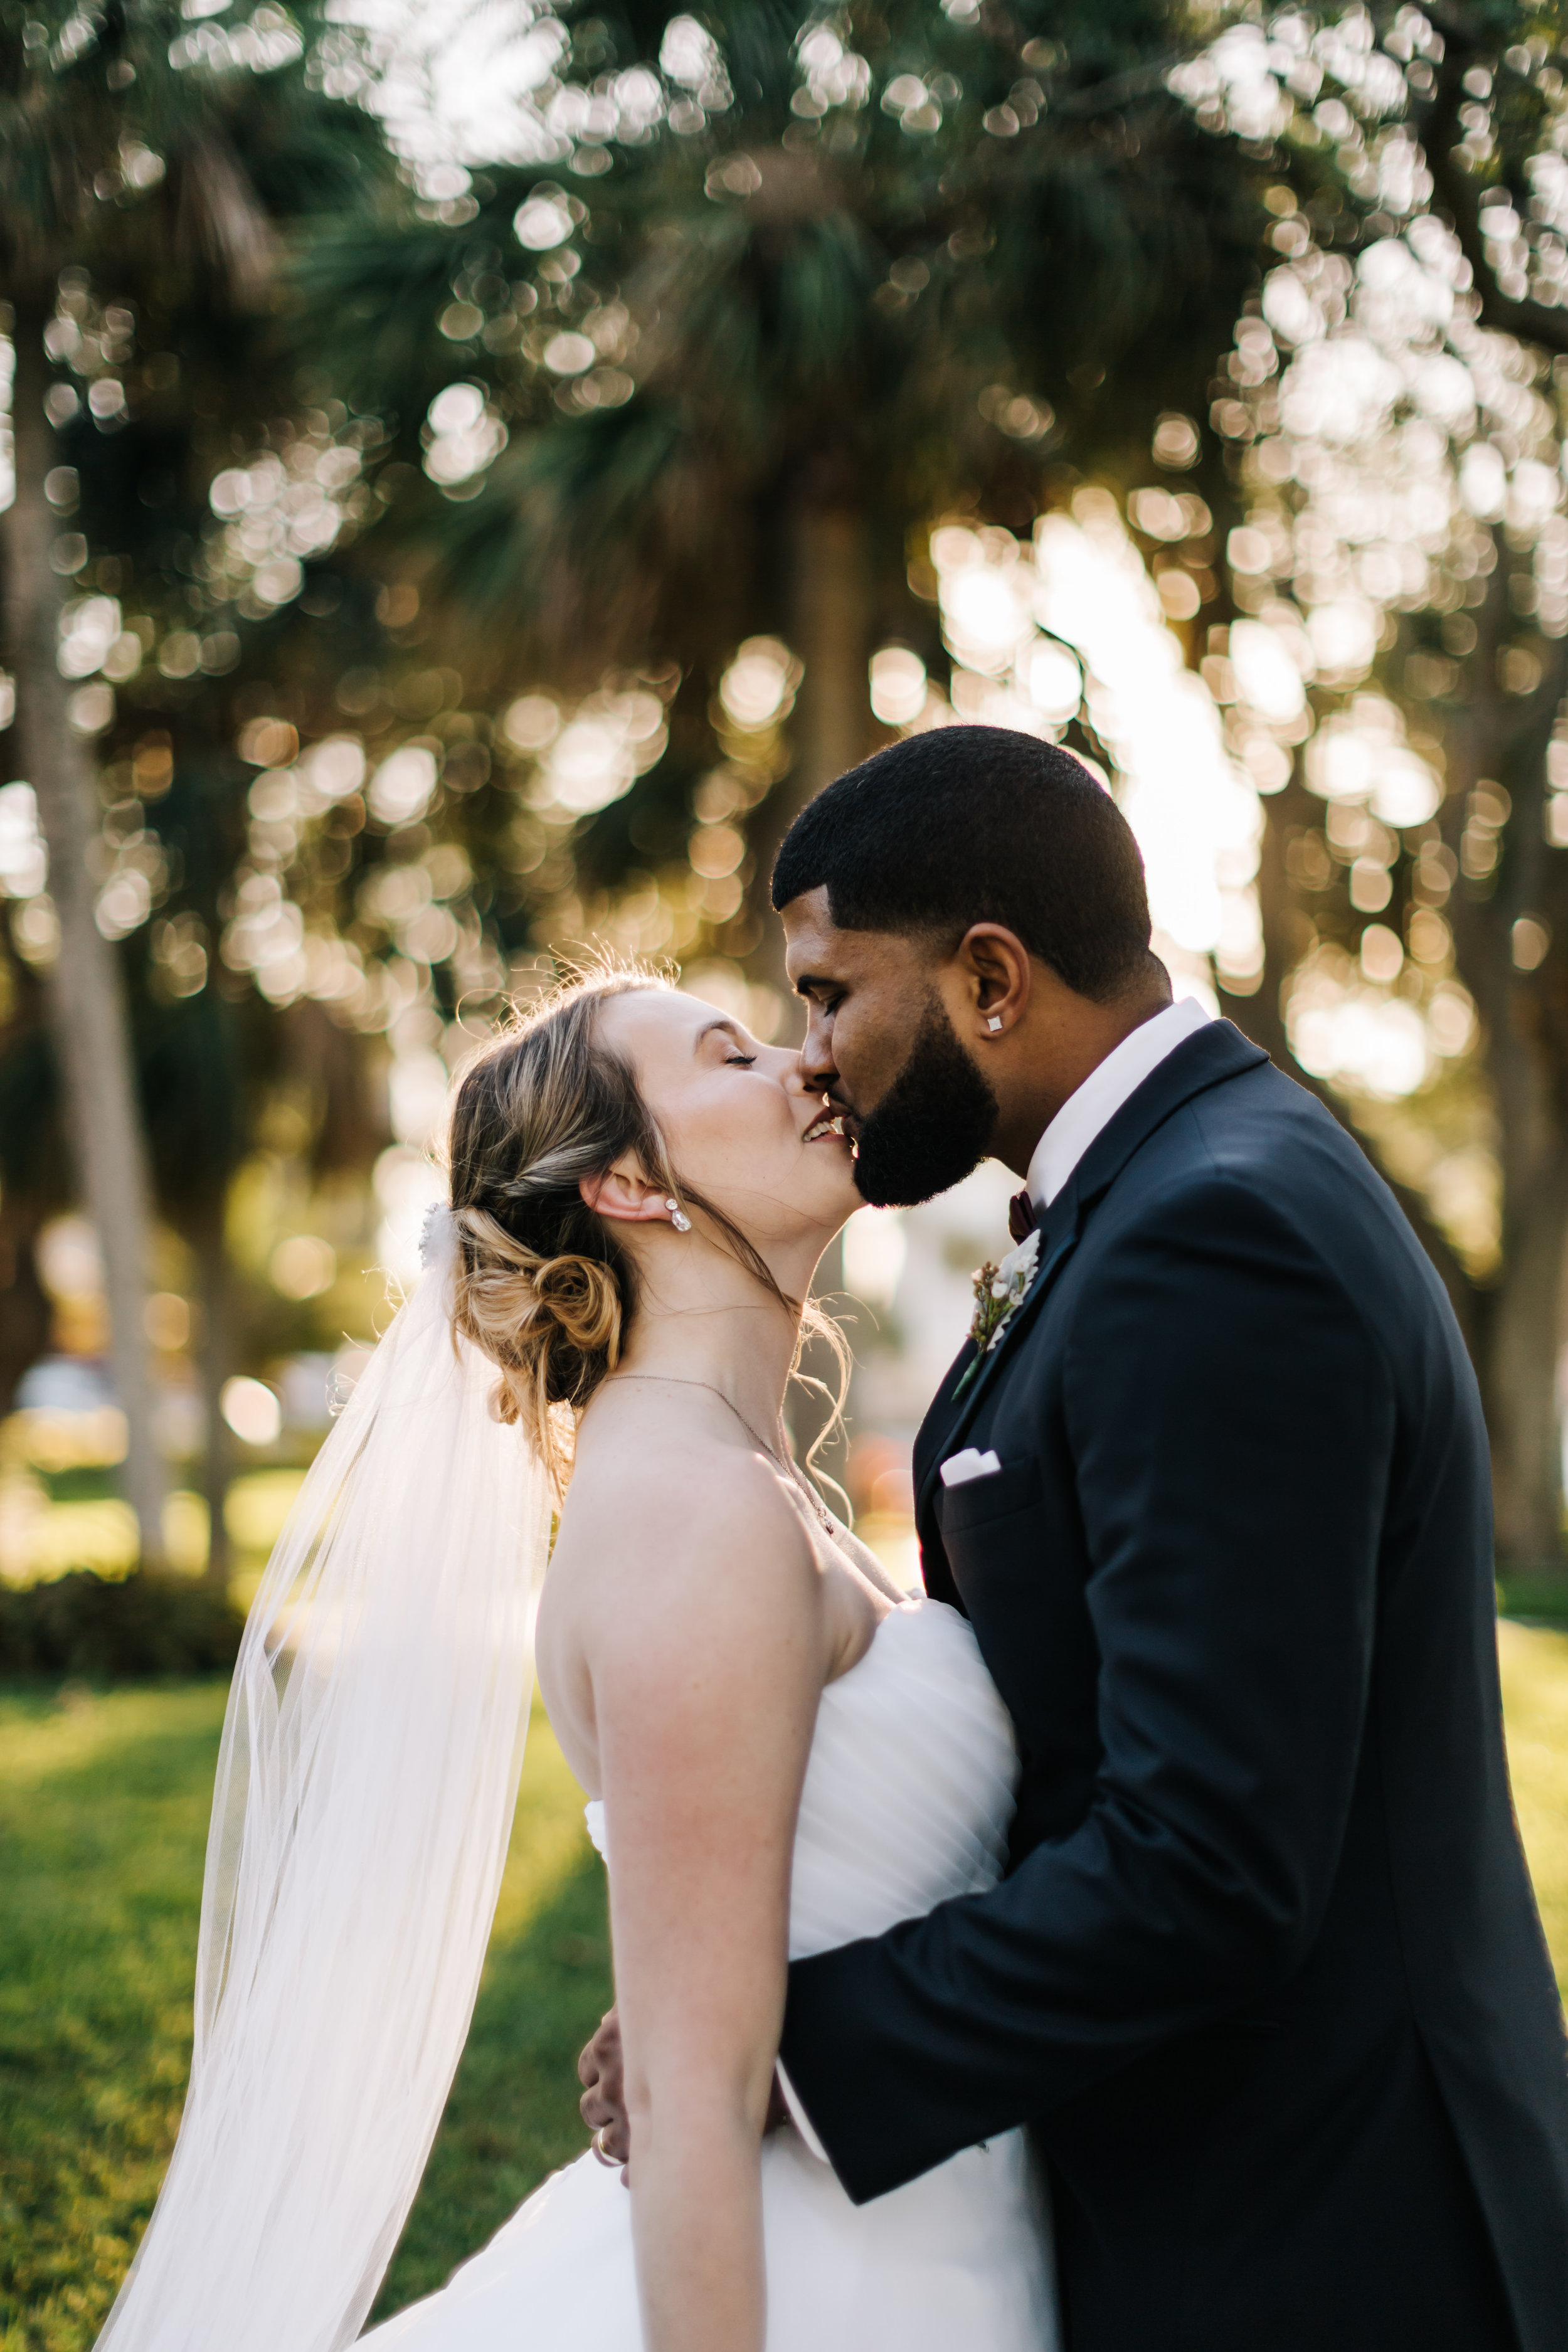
(365, 1789)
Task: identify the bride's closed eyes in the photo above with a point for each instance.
(726, 1033)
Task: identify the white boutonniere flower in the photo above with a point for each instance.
(999, 1292)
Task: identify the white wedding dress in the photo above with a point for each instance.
(906, 1798)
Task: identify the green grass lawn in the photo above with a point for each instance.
(103, 1813)
(103, 1818)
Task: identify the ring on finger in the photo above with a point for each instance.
(597, 2144)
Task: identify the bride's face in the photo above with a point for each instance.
(735, 1115)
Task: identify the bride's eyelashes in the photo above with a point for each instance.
(741, 1061)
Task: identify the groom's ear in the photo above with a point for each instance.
(625, 1195)
(996, 975)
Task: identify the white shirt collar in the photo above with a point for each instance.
(1102, 1094)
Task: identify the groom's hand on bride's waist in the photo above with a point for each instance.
(601, 2070)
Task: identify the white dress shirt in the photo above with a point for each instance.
(1102, 1094)
(1057, 1154)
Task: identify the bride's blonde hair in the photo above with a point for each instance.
(544, 1286)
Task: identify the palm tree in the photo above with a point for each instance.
(1474, 98)
(163, 159)
(86, 996)
(781, 302)
(1523, 997)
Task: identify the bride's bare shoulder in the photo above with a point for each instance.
(684, 1590)
(679, 1498)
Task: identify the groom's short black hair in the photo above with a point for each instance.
(973, 825)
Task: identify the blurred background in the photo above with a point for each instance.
(469, 474)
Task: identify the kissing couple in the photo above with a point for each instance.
(1135, 1928)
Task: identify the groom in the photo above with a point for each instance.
(1266, 1975)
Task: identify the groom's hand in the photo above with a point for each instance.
(601, 2070)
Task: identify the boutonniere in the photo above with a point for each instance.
(999, 1292)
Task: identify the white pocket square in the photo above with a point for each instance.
(960, 1468)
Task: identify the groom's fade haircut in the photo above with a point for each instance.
(979, 824)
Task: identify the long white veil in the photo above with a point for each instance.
(365, 1789)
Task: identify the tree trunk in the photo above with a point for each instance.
(830, 731)
(215, 1290)
(829, 630)
(1520, 1336)
(1520, 1341)
(24, 1310)
(831, 633)
(1520, 1328)
(1285, 933)
(85, 992)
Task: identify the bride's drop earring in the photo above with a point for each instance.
(677, 1217)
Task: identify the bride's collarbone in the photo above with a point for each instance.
(660, 1525)
(668, 1520)
(695, 1476)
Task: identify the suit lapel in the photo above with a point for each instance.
(1058, 1232)
(1206, 1059)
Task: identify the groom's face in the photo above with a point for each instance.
(881, 1043)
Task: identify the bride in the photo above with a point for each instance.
(786, 1753)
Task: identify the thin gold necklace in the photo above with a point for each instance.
(790, 1470)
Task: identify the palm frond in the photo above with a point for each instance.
(555, 550)
(367, 295)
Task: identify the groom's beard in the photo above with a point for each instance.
(931, 1127)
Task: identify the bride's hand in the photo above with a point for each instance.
(600, 2072)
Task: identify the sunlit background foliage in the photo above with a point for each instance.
(502, 461)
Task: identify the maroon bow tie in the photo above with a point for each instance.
(1020, 1216)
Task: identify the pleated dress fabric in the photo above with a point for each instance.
(906, 1798)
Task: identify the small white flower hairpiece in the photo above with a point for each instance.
(438, 1235)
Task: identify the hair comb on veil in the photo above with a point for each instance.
(366, 1788)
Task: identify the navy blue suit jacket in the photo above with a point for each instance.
(1265, 1976)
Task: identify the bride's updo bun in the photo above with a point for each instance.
(553, 1321)
(545, 1286)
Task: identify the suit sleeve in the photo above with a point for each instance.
(1231, 1424)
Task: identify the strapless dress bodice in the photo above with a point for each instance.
(909, 1788)
(906, 1798)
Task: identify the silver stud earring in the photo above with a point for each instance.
(994, 1023)
(677, 1217)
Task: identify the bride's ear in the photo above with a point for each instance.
(624, 1196)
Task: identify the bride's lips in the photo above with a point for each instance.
(833, 1121)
